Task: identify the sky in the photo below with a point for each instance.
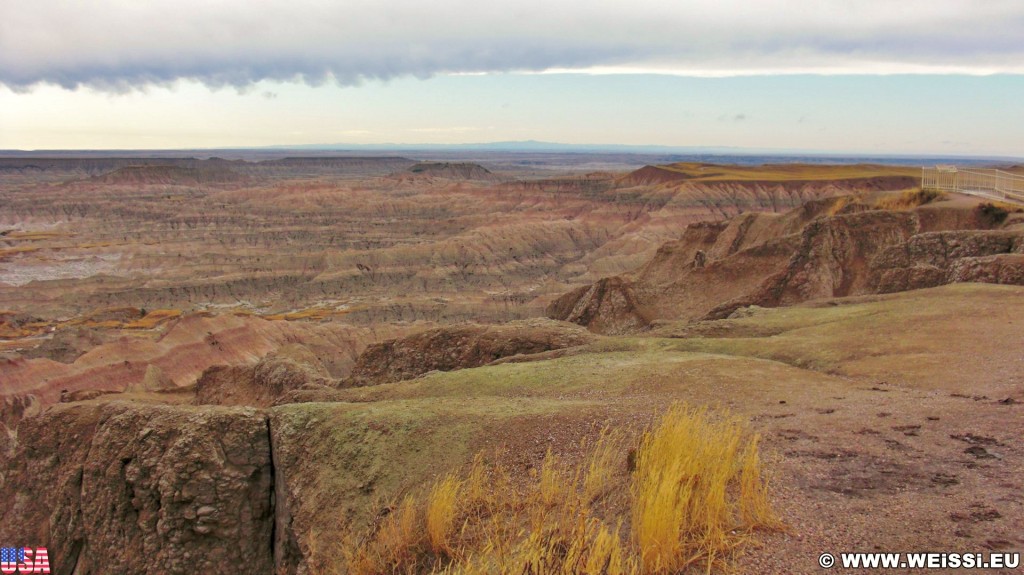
(852, 76)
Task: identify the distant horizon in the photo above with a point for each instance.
(527, 147)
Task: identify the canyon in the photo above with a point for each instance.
(234, 365)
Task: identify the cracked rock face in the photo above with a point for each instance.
(133, 488)
(937, 258)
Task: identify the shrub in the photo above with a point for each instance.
(995, 213)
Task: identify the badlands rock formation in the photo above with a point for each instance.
(450, 348)
(824, 249)
(232, 366)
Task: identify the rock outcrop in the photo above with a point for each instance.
(452, 170)
(134, 488)
(937, 258)
(997, 269)
(451, 348)
(291, 367)
(607, 306)
(170, 175)
(14, 408)
(834, 254)
(734, 258)
(184, 349)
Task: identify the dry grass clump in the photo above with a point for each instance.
(395, 547)
(153, 319)
(698, 480)
(692, 496)
(315, 313)
(909, 199)
(840, 203)
(442, 507)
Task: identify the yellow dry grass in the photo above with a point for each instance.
(787, 172)
(311, 314)
(909, 199)
(599, 470)
(682, 512)
(695, 495)
(34, 235)
(18, 250)
(476, 488)
(840, 203)
(442, 506)
(153, 319)
(393, 548)
(551, 485)
(105, 324)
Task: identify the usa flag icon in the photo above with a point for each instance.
(24, 560)
(10, 558)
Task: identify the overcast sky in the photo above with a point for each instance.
(875, 76)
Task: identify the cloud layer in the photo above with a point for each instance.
(120, 45)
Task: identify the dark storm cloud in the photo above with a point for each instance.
(119, 45)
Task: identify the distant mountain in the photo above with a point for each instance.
(718, 154)
(536, 147)
(465, 152)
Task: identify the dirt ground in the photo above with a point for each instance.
(888, 423)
